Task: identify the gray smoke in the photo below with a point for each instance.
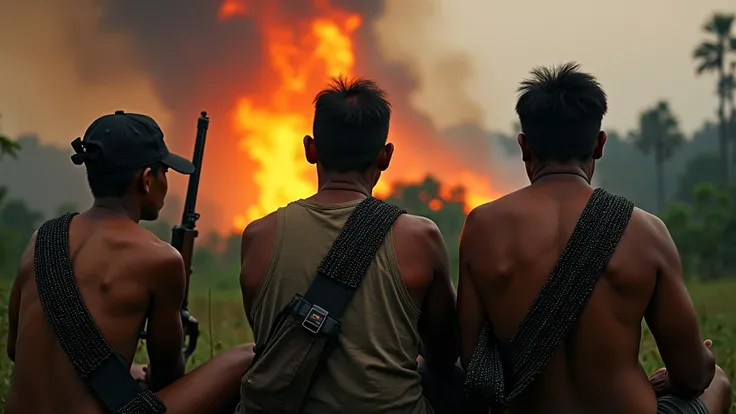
(196, 61)
(193, 56)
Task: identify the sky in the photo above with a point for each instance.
(639, 50)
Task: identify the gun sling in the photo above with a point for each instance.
(97, 364)
(498, 373)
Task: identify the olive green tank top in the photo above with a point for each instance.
(373, 370)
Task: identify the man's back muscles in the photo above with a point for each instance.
(508, 250)
(120, 269)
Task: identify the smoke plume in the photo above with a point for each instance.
(195, 60)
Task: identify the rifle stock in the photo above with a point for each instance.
(184, 233)
(182, 238)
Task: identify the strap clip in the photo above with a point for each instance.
(315, 319)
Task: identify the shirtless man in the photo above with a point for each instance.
(509, 248)
(126, 275)
(406, 298)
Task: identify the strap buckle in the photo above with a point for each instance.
(315, 319)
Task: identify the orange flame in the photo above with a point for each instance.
(302, 56)
(232, 8)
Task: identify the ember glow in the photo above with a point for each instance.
(232, 8)
(301, 56)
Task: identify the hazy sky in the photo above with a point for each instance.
(640, 50)
(41, 88)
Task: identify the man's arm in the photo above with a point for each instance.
(26, 266)
(673, 322)
(470, 309)
(13, 310)
(438, 325)
(165, 333)
(256, 248)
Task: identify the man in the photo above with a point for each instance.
(126, 276)
(510, 246)
(406, 299)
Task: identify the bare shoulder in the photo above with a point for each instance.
(648, 221)
(27, 257)
(493, 213)
(259, 228)
(157, 257)
(416, 229)
(25, 269)
(259, 237)
(420, 250)
(647, 227)
(418, 239)
(650, 231)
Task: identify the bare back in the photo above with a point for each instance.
(508, 251)
(118, 268)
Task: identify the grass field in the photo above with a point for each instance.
(223, 325)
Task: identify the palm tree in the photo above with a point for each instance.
(711, 57)
(658, 133)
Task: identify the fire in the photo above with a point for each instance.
(231, 8)
(302, 56)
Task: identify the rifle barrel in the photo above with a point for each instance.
(188, 218)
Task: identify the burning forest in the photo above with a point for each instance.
(255, 66)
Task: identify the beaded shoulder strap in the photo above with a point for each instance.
(342, 269)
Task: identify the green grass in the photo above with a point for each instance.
(223, 325)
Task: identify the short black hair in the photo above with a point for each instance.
(114, 184)
(351, 120)
(560, 110)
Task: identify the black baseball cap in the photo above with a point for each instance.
(123, 142)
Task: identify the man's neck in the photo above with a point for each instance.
(341, 189)
(113, 207)
(560, 172)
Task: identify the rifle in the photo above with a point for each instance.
(183, 235)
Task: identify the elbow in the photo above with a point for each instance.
(695, 383)
(707, 372)
(161, 377)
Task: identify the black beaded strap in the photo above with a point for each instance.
(342, 269)
(355, 247)
(557, 308)
(146, 403)
(95, 361)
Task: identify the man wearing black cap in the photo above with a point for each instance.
(102, 264)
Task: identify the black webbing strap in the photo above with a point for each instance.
(557, 308)
(342, 269)
(96, 362)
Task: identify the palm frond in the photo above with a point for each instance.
(719, 24)
(705, 67)
(709, 56)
